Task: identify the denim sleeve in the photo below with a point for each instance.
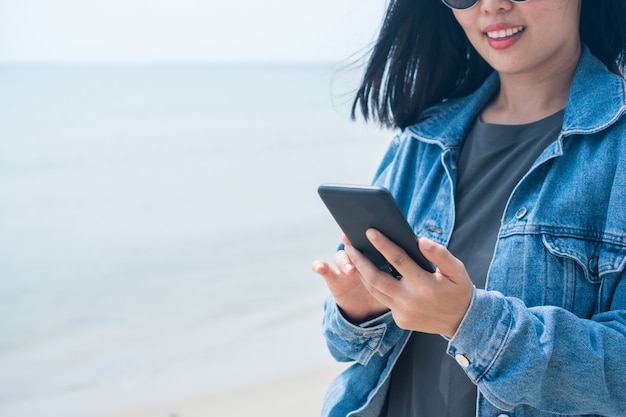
(348, 342)
(544, 357)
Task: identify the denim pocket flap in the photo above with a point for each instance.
(596, 257)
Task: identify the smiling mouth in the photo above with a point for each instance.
(502, 34)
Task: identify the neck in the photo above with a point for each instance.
(526, 98)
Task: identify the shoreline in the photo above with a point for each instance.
(298, 394)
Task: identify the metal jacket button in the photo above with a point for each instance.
(593, 264)
(462, 360)
(521, 213)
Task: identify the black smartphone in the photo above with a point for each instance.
(357, 208)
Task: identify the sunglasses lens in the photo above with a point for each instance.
(461, 4)
(466, 4)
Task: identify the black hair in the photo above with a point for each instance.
(422, 56)
(603, 30)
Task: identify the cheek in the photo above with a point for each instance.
(558, 5)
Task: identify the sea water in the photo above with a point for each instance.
(157, 227)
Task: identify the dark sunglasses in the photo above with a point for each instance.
(468, 4)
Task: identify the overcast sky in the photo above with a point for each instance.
(185, 30)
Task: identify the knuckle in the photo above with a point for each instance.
(399, 258)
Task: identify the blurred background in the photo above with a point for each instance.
(158, 210)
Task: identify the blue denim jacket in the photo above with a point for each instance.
(547, 337)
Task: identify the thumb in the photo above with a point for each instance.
(447, 264)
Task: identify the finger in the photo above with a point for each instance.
(343, 262)
(381, 285)
(447, 264)
(345, 239)
(325, 271)
(395, 255)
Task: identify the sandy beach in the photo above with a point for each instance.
(296, 395)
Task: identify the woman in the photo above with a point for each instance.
(511, 166)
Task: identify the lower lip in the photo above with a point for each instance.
(504, 42)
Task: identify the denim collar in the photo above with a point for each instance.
(597, 99)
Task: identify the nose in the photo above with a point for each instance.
(495, 6)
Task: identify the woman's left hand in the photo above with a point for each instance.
(430, 303)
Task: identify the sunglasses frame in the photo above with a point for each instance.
(474, 4)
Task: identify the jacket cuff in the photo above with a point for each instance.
(482, 333)
(359, 343)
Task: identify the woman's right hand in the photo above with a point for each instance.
(344, 283)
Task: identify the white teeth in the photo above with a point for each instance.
(500, 34)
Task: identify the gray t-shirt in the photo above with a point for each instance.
(426, 382)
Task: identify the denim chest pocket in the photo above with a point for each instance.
(583, 272)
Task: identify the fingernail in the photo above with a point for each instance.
(427, 244)
(371, 234)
